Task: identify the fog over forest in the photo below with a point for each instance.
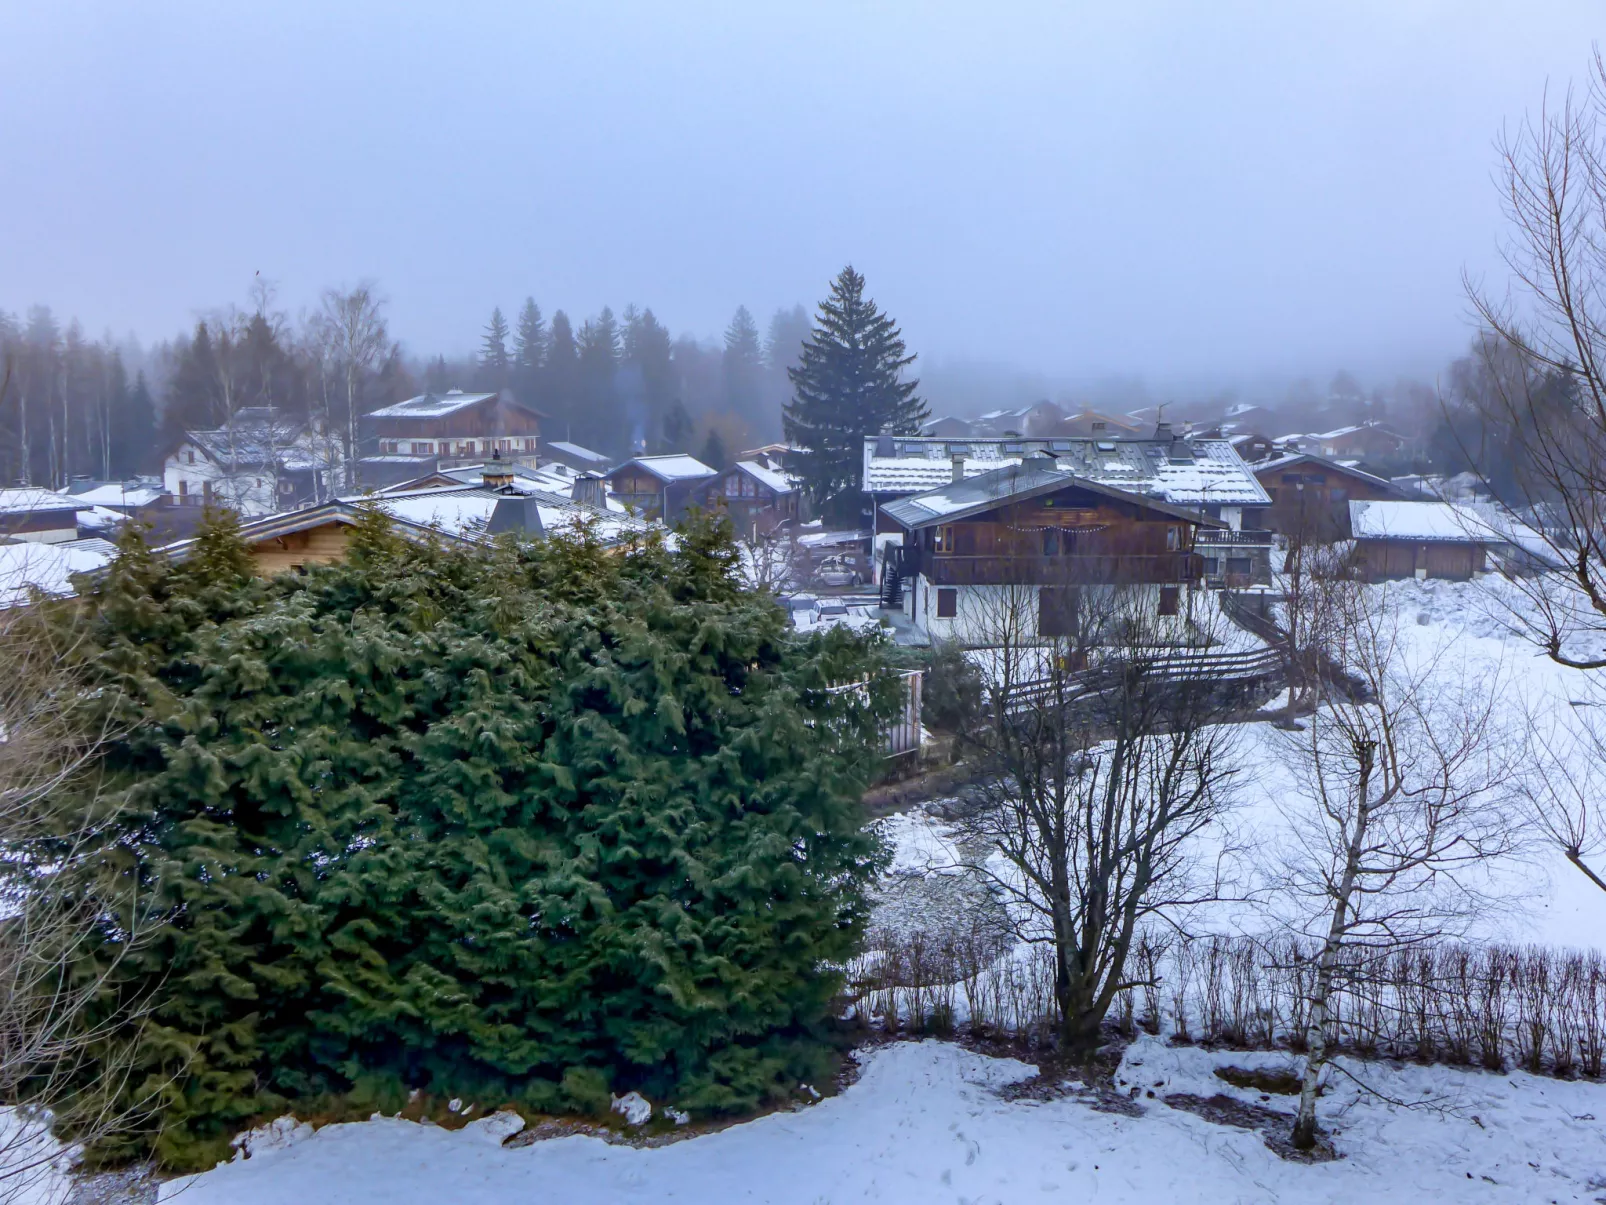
(1104, 203)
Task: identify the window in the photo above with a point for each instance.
(1168, 599)
(1239, 566)
(942, 540)
(1290, 478)
(1212, 566)
(947, 602)
(733, 486)
(189, 455)
(1173, 538)
(1051, 541)
(183, 488)
(529, 445)
(1057, 608)
(423, 449)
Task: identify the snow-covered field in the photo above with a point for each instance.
(925, 1123)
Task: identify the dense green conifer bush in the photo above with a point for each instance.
(529, 823)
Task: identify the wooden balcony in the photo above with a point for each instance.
(1156, 568)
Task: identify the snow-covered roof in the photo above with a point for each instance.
(1016, 483)
(48, 567)
(25, 501)
(431, 405)
(566, 448)
(1437, 522)
(115, 495)
(466, 510)
(781, 483)
(673, 467)
(263, 440)
(1195, 472)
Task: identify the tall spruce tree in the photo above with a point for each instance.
(742, 369)
(529, 352)
(494, 358)
(848, 384)
(560, 376)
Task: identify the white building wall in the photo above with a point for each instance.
(982, 614)
(188, 472)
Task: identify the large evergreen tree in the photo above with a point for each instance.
(560, 376)
(600, 422)
(848, 384)
(527, 824)
(494, 358)
(742, 369)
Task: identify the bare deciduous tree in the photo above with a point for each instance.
(1102, 761)
(1565, 781)
(60, 1061)
(1398, 803)
(358, 335)
(1541, 401)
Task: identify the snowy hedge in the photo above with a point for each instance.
(534, 823)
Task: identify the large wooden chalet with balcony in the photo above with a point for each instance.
(414, 437)
(1203, 478)
(973, 547)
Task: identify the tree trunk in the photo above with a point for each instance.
(1304, 1136)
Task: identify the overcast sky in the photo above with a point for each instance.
(1179, 190)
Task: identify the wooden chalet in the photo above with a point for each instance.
(1039, 526)
(759, 498)
(454, 426)
(1311, 495)
(661, 487)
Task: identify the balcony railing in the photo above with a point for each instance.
(1076, 569)
(1218, 538)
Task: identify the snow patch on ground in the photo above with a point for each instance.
(925, 1123)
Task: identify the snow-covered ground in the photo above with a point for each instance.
(926, 1123)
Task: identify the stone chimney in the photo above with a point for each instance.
(496, 475)
(958, 463)
(589, 490)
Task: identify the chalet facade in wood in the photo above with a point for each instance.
(974, 549)
(1309, 496)
(759, 498)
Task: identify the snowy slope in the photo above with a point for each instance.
(925, 1124)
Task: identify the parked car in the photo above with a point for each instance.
(837, 571)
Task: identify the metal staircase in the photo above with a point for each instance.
(892, 577)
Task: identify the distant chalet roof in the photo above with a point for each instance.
(1183, 472)
(260, 438)
(27, 501)
(579, 453)
(432, 405)
(781, 483)
(673, 467)
(1017, 483)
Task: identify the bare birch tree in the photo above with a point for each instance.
(1398, 805)
(359, 337)
(1102, 763)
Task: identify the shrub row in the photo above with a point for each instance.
(1540, 1009)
